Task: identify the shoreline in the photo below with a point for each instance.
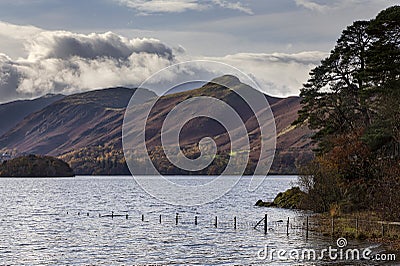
(359, 225)
(362, 225)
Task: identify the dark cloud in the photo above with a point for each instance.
(65, 62)
(64, 45)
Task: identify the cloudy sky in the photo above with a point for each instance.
(58, 46)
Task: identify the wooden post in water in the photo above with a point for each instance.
(195, 220)
(287, 226)
(112, 215)
(87, 214)
(127, 216)
(307, 228)
(266, 224)
(142, 217)
(216, 221)
(160, 219)
(234, 223)
(177, 219)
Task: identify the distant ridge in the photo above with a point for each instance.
(13, 112)
(76, 121)
(85, 129)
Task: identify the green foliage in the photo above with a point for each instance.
(385, 129)
(217, 166)
(383, 55)
(97, 160)
(35, 166)
(352, 102)
(335, 97)
(110, 160)
(344, 92)
(290, 199)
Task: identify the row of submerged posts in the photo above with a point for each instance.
(339, 227)
(300, 225)
(265, 225)
(177, 218)
(264, 221)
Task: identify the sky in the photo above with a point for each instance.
(58, 46)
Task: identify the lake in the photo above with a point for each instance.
(64, 222)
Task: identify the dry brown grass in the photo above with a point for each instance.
(359, 225)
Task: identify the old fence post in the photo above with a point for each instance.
(307, 228)
(266, 224)
(287, 226)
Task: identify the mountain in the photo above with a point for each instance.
(293, 143)
(80, 120)
(85, 129)
(13, 112)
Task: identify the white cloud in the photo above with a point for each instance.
(177, 6)
(13, 37)
(311, 5)
(18, 31)
(159, 6)
(278, 74)
(66, 62)
(24, 2)
(304, 58)
(233, 5)
(329, 5)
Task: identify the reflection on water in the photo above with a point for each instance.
(40, 225)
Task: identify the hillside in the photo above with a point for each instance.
(13, 112)
(293, 144)
(85, 129)
(81, 120)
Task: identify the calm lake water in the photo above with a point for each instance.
(40, 225)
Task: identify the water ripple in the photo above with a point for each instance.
(40, 224)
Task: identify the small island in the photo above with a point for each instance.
(35, 166)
